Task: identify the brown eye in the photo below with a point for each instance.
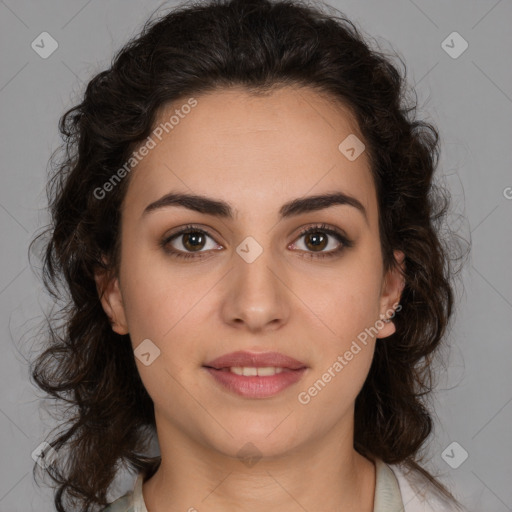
(186, 242)
(316, 240)
(193, 241)
(190, 242)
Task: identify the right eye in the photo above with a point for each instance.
(191, 239)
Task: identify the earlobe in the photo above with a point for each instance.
(111, 299)
(393, 286)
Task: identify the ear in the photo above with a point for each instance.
(392, 287)
(111, 300)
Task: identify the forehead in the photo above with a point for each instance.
(253, 150)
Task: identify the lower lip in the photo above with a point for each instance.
(254, 386)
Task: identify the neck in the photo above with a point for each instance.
(325, 473)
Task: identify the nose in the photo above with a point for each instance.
(256, 296)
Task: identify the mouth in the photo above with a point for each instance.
(258, 360)
(253, 371)
(255, 375)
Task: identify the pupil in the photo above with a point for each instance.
(316, 239)
(195, 238)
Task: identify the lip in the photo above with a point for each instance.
(256, 360)
(256, 386)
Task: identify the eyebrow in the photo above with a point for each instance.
(218, 208)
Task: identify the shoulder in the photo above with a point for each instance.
(122, 504)
(418, 494)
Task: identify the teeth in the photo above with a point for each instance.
(252, 372)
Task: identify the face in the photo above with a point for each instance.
(249, 280)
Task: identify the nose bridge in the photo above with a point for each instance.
(256, 294)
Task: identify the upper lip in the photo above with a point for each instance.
(255, 360)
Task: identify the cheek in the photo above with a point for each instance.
(167, 308)
(347, 301)
(344, 348)
(155, 297)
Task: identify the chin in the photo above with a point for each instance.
(260, 439)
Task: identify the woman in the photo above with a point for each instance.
(246, 222)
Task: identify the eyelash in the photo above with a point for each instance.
(345, 242)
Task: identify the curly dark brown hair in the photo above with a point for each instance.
(196, 48)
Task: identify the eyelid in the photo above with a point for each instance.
(207, 230)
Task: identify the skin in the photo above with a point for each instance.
(255, 153)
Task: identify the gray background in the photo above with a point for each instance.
(469, 98)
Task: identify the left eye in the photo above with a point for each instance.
(317, 239)
(192, 241)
